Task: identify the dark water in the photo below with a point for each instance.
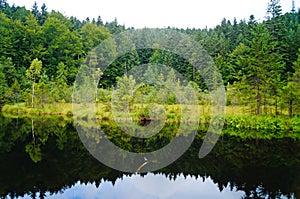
(44, 158)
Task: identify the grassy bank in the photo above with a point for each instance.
(239, 124)
(103, 109)
(48, 109)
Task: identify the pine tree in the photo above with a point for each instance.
(124, 92)
(274, 9)
(43, 16)
(99, 21)
(35, 10)
(42, 90)
(61, 87)
(276, 23)
(15, 91)
(293, 10)
(260, 64)
(3, 5)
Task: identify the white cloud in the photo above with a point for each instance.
(161, 13)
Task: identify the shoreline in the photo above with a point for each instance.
(244, 126)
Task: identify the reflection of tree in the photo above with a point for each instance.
(256, 192)
(33, 148)
(34, 151)
(33, 131)
(267, 171)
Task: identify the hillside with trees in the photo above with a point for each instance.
(42, 51)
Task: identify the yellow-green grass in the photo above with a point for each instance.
(104, 111)
(47, 109)
(247, 110)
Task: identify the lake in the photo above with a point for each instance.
(43, 157)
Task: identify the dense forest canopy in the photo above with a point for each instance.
(41, 52)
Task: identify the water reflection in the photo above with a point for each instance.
(236, 168)
(151, 186)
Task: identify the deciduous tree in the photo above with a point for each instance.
(33, 74)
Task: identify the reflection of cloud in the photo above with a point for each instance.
(150, 187)
(188, 187)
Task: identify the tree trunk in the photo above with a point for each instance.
(32, 130)
(32, 95)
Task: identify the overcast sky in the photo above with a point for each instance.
(160, 13)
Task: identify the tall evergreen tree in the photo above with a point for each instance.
(260, 64)
(35, 9)
(61, 91)
(43, 16)
(274, 9)
(99, 21)
(3, 5)
(15, 92)
(293, 10)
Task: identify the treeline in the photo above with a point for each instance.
(259, 61)
(60, 43)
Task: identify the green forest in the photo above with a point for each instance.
(41, 52)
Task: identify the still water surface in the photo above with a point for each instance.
(51, 162)
(150, 186)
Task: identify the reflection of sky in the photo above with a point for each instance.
(149, 187)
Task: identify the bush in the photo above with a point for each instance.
(69, 113)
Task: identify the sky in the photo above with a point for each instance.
(161, 13)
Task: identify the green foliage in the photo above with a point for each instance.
(33, 73)
(8, 68)
(15, 92)
(123, 96)
(61, 91)
(291, 94)
(263, 127)
(34, 70)
(92, 35)
(34, 152)
(62, 46)
(258, 59)
(3, 88)
(260, 65)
